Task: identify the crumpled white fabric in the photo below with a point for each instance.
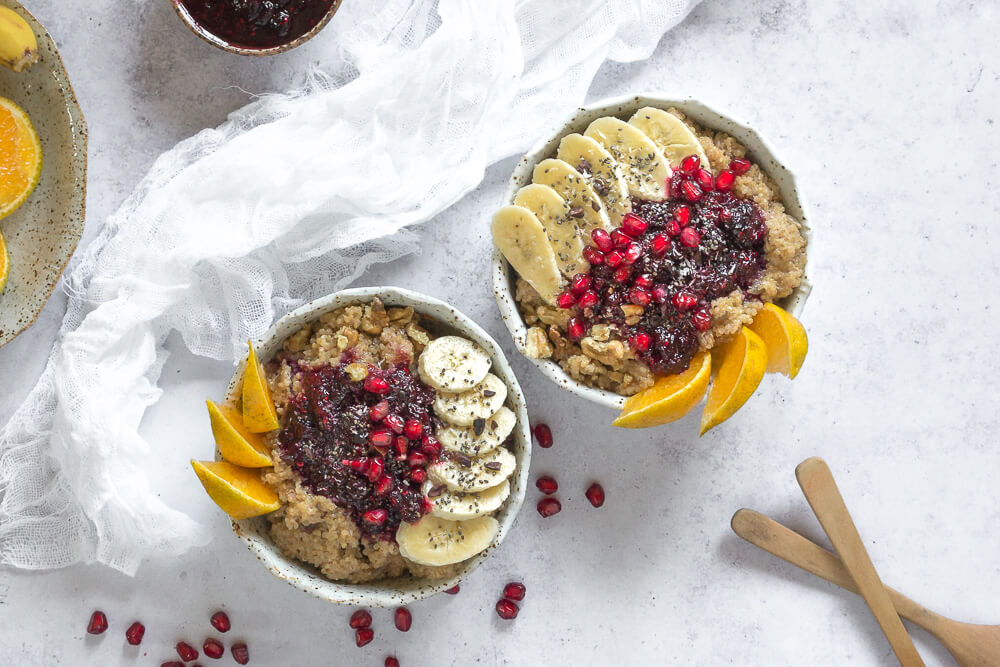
(291, 198)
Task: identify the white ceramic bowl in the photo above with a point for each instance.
(623, 107)
(445, 320)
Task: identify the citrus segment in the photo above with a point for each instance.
(739, 368)
(4, 263)
(236, 444)
(20, 157)
(785, 338)
(240, 492)
(259, 415)
(670, 398)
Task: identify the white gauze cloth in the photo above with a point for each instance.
(414, 101)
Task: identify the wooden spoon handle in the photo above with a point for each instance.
(828, 505)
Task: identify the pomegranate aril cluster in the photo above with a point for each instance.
(212, 648)
(506, 606)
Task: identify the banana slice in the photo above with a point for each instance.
(646, 170)
(18, 46)
(453, 363)
(466, 440)
(434, 541)
(463, 506)
(553, 212)
(585, 206)
(479, 403)
(522, 240)
(480, 473)
(669, 133)
(601, 170)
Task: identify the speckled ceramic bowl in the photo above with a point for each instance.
(220, 43)
(393, 592)
(42, 234)
(623, 107)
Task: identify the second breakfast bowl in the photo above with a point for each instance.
(762, 153)
(442, 319)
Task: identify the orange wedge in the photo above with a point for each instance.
(236, 444)
(259, 415)
(240, 492)
(4, 263)
(20, 157)
(670, 398)
(785, 338)
(739, 368)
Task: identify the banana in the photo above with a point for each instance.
(453, 363)
(601, 170)
(669, 133)
(469, 407)
(462, 506)
(18, 46)
(586, 208)
(522, 240)
(434, 541)
(468, 475)
(553, 212)
(466, 440)
(646, 169)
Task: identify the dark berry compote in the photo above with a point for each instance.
(257, 24)
(667, 262)
(365, 445)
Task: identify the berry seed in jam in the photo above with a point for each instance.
(671, 259)
(257, 24)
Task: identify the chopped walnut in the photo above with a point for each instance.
(299, 340)
(417, 334)
(560, 344)
(357, 372)
(400, 316)
(611, 353)
(601, 332)
(346, 337)
(537, 344)
(375, 318)
(633, 313)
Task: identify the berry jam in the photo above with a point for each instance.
(257, 24)
(665, 265)
(364, 445)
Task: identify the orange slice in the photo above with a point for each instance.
(670, 398)
(235, 442)
(785, 338)
(20, 157)
(240, 492)
(4, 263)
(259, 415)
(740, 366)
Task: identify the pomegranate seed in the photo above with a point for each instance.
(682, 214)
(633, 253)
(403, 619)
(690, 237)
(382, 485)
(641, 341)
(595, 494)
(639, 296)
(378, 411)
(602, 240)
(566, 300)
(506, 610)
(724, 181)
(375, 468)
(514, 591)
(376, 385)
(614, 258)
(547, 485)
(543, 434)
(430, 447)
(391, 662)
(575, 329)
(673, 228)
(401, 445)
(690, 164)
(579, 284)
(594, 256)
(220, 621)
(644, 280)
(660, 245)
(549, 506)
(705, 180)
(739, 166)
(375, 517)
(418, 475)
(241, 654)
(363, 636)
(691, 191)
(660, 293)
(702, 320)
(187, 652)
(589, 298)
(416, 459)
(453, 590)
(380, 437)
(725, 215)
(413, 429)
(134, 633)
(684, 301)
(622, 274)
(396, 423)
(633, 225)
(620, 239)
(172, 663)
(98, 623)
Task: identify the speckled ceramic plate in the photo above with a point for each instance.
(43, 233)
(394, 592)
(623, 107)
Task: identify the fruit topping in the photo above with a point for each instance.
(361, 619)
(543, 434)
(742, 366)
(241, 654)
(547, 485)
(506, 609)
(595, 494)
(403, 619)
(187, 652)
(134, 633)
(257, 24)
(514, 591)
(98, 623)
(213, 648)
(549, 506)
(220, 621)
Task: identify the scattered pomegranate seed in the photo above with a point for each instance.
(376, 385)
(241, 654)
(594, 256)
(622, 273)
(220, 621)
(413, 429)
(378, 411)
(633, 253)
(588, 299)
(690, 237)
(614, 258)
(691, 190)
(602, 240)
(391, 662)
(380, 437)
(673, 228)
(575, 329)
(660, 293)
(566, 300)
(375, 517)
(544, 435)
(375, 467)
(453, 590)
(724, 181)
(383, 484)
(620, 239)
(705, 179)
(213, 648)
(684, 301)
(595, 494)
(401, 445)
(739, 166)
(644, 280)
(363, 636)
(187, 652)
(98, 623)
(633, 225)
(430, 446)
(418, 475)
(134, 633)
(579, 284)
(641, 341)
(403, 619)
(514, 591)
(549, 506)
(506, 610)
(682, 214)
(172, 663)
(547, 485)
(690, 164)
(639, 296)
(396, 423)
(416, 459)
(702, 320)
(660, 244)
(361, 619)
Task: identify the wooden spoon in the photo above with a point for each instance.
(971, 645)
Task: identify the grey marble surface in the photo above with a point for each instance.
(887, 113)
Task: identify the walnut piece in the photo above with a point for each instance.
(537, 344)
(610, 353)
(632, 313)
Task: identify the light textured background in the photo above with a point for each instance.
(886, 110)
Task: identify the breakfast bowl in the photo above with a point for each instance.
(590, 136)
(285, 541)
